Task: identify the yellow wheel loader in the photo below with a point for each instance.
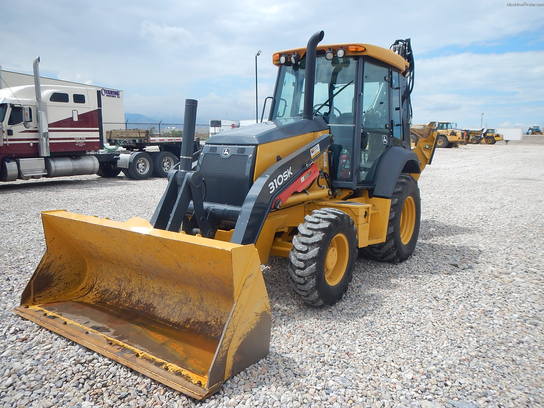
(491, 136)
(330, 175)
(483, 136)
(475, 136)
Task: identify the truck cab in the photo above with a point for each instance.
(72, 124)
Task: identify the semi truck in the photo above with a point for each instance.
(55, 130)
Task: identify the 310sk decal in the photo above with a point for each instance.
(279, 180)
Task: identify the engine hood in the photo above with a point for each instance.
(267, 132)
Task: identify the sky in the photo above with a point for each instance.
(471, 57)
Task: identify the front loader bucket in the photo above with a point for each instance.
(188, 311)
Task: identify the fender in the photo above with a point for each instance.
(393, 163)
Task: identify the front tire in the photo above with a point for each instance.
(442, 141)
(403, 227)
(322, 257)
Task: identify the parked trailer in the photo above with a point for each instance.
(56, 131)
(140, 159)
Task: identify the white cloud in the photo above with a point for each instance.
(166, 35)
(505, 87)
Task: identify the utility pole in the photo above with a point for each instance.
(482, 120)
(256, 89)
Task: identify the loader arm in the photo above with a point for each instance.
(264, 193)
(425, 145)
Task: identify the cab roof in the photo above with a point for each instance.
(27, 94)
(352, 49)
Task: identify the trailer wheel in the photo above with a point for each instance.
(140, 166)
(322, 257)
(108, 170)
(403, 227)
(163, 162)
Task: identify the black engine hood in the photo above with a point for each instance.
(267, 132)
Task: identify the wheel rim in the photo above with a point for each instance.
(142, 165)
(441, 142)
(407, 220)
(167, 164)
(336, 259)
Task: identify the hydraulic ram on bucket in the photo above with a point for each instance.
(185, 310)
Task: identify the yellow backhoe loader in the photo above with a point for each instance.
(331, 174)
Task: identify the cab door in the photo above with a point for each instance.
(375, 118)
(21, 134)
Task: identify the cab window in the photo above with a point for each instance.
(375, 118)
(334, 96)
(16, 115)
(59, 97)
(3, 110)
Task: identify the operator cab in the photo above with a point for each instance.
(361, 92)
(446, 125)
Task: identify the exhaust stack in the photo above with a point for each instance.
(188, 136)
(43, 124)
(309, 78)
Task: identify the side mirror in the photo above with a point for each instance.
(268, 98)
(27, 116)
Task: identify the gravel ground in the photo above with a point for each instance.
(457, 325)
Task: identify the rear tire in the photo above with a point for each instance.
(163, 162)
(322, 257)
(403, 228)
(108, 170)
(140, 166)
(442, 141)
